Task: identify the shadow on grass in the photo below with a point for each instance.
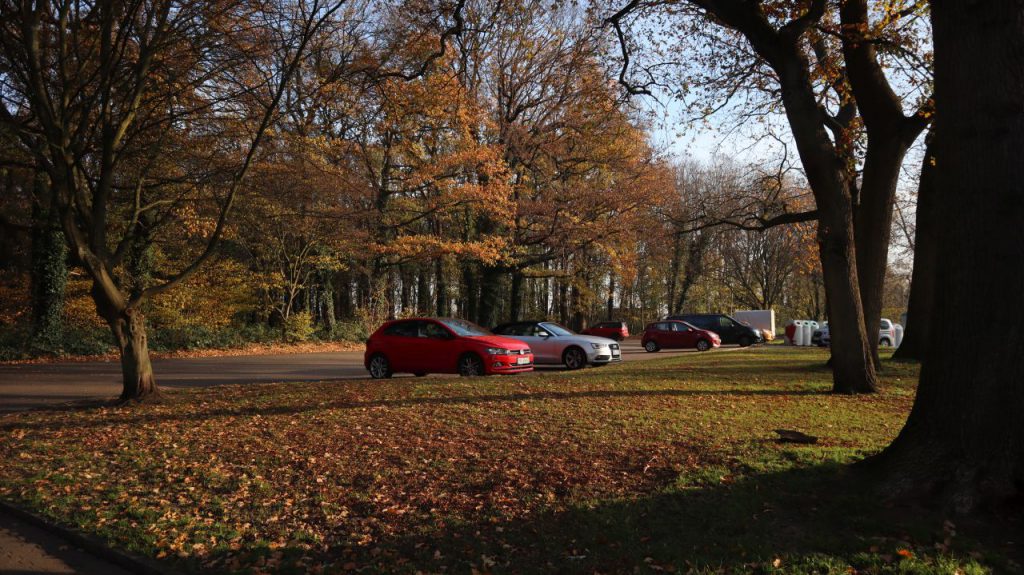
(129, 417)
(811, 520)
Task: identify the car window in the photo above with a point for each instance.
(403, 328)
(725, 322)
(432, 330)
(464, 328)
(664, 327)
(556, 329)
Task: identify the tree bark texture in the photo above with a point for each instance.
(963, 444)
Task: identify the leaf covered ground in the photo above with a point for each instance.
(667, 465)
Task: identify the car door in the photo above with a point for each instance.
(401, 346)
(546, 346)
(663, 335)
(526, 333)
(685, 336)
(437, 351)
(728, 329)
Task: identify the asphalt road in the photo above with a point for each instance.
(26, 386)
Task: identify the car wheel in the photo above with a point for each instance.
(651, 347)
(380, 367)
(745, 341)
(470, 365)
(703, 345)
(618, 337)
(574, 358)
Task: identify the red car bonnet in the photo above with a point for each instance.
(499, 341)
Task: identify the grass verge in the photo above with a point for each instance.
(667, 465)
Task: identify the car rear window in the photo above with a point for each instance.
(403, 328)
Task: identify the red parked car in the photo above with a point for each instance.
(442, 345)
(617, 330)
(674, 334)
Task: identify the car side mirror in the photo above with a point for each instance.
(544, 334)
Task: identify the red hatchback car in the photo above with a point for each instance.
(671, 334)
(617, 330)
(442, 345)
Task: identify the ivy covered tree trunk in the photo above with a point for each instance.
(327, 313)
(962, 444)
(49, 269)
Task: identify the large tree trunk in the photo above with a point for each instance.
(852, 368)
(611, 296)
(922, 282)
(516, 296)
(128, 325)
(136, 370)
(442, 288)
(422, 291)
(961, 446)
(469, 292)
(490, 291)
(873, 227)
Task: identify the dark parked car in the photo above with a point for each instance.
(727, 328)
(617, 330)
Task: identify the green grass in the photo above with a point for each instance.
(661, 466)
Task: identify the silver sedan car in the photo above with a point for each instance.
(555, 344)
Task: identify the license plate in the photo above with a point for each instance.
(522, 360)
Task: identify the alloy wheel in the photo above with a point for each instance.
(379, 367)
(470, 365)
(574, 359)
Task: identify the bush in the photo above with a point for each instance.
(298, 327)
(16, 342)
(353, 331)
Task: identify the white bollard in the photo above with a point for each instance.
(899, 334)
(808, 333)
(798, 335)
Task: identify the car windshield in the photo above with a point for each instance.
(464, 328)
(556, 329)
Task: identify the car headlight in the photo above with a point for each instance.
(498, 351)
(597, 345)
